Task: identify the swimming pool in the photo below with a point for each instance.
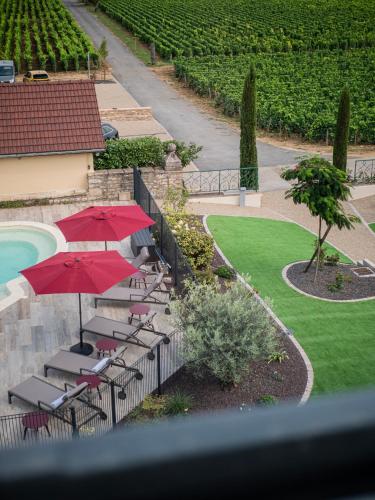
(23, 244)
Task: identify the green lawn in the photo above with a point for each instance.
(372, 226)
(339, 338)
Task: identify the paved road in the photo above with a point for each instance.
(182, 119)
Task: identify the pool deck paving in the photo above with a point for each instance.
(34, 329)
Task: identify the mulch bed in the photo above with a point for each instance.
(354, 287)
(285, 380)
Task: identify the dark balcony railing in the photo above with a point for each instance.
(215, 181)
(325, 449)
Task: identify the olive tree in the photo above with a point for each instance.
(223, 332)
(321, 187)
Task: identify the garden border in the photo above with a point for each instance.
(310, 372)
(290, 284)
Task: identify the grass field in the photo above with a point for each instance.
(339, 338)
(372, 226)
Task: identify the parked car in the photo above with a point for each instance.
(36, 76)
(7, 72)
(109, 132)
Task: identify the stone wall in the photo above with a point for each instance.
(126, 114)
(110, 184)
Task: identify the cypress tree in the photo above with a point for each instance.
(340, 146)
(248, 147)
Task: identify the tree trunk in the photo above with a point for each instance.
(316, 251)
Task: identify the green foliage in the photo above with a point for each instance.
(268, 400)
(158, 407)
(340, 146)
(278, 356)
(24, 203)
(127, 153)
(333, 259)
(223, 332)
(248, 147)
(339, 282)
(175, 200)
(178, 403)
(205, 276)
(186, 153)
(141, 152)
(206, 27)
(44, 33)
(296, 92)
(321, 187)
(225, 272)
(194, 242)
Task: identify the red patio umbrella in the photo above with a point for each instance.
(78, 272)
(104, 223)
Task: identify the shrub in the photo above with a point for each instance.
(195, 244)
(223, 332)
(332, 260)
(225, 272)
(141, 152)
(175, 200)
(268, 400)
(278, 356)
(126, 153)
(178, 403)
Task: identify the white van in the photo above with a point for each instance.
(7, 72)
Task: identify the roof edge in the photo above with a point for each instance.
(50, 153)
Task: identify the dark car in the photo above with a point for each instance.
(109, 132)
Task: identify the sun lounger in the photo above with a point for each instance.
(143, 263)
(44, 395)
(48, 397)
(124, 332)
(127, 294)
(76, 364)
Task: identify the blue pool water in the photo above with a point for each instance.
(21, 247)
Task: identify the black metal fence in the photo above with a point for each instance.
(364, 171)
(219, 181)
(162, 233)
(117, 398)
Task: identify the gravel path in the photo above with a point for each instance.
(182, 120)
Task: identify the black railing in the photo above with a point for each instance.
(118, 397)
(364, 171)
(168, 246)
(217, 181)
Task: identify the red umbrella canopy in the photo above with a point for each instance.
(78, 272)
(112, 223)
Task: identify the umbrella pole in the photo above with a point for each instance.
(81, 348)
(105, 245)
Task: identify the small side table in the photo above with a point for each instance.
(138, 310)
(105, 346)
(138, 277)
(93, 383)
(35, 421)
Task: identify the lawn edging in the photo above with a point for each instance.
(309, 369)
(290, 284)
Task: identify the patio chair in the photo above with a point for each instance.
(127, 294)
(77, 364)
(143, 263)
(124, 332)
(51, 398)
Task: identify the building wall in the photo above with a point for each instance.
(40, 176)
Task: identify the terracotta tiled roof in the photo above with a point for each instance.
(37, 118)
